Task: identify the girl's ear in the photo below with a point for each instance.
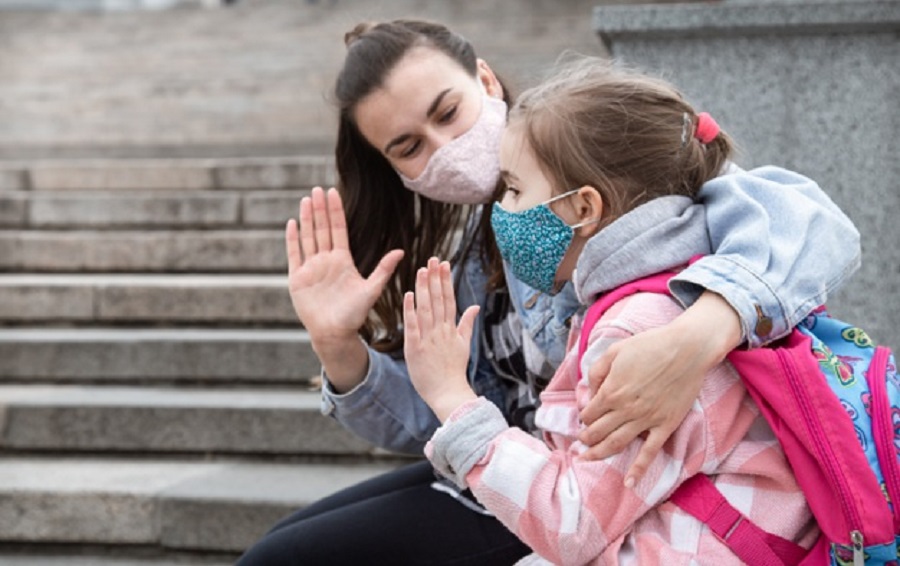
(589, 210)
(488, 79)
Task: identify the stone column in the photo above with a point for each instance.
(811, 86)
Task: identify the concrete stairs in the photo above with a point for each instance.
(158, 399)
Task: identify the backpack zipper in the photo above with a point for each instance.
(826, 456)
(859, 559)
(883, 427)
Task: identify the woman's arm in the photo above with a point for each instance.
(384, 408)
(368, 392)
(771, 229)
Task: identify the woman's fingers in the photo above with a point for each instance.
(292, 246)
(383, 271)
(649, 450)
(614, 442)
(320, 217)
(307, 238)
(599, 431)
(338, 221)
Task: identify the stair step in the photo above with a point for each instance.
(154, 298)
(147, 209)
(171, 420)
(246, 174)
(248, 250)
(157, 355)
(223, 506)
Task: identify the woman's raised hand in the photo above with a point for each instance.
(330, 296)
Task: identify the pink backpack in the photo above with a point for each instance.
(832, 398)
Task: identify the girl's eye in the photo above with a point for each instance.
(448, 115)
(411, 149)
(513, 191)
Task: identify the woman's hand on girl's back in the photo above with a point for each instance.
(645, 385)
(331, 298)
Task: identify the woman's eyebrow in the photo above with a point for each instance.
(431, 110)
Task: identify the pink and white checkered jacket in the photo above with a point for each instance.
(573, 511)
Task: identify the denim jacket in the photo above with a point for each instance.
(769, 227)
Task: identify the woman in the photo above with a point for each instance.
(418, 141)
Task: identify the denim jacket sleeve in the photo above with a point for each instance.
(781, 245)
(384, 408)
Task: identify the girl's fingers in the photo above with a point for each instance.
(447, 289)
(307, 238)
(292, 246)
(320, 216)
(410, 323)
(338, 221)
(467, 323)
(434, 287)
(423, 300)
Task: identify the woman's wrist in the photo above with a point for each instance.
(712, 321)
(345, 359)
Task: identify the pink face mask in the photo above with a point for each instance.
(465, 170)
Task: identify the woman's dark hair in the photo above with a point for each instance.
(382, 214)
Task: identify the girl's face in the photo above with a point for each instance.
(526, 183)
(528, 186)
(427, 100)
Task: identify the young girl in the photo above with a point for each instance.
(602, 167)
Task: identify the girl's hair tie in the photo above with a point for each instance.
(707, 128)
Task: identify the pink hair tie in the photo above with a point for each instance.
(707, 129)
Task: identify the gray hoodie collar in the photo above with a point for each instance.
(662, 234)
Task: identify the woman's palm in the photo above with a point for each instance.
(330, 296)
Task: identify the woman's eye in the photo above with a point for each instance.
(512, 191)
(448, 115)
(411, 149)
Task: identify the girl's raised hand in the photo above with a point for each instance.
(331, 298)
(436, 349)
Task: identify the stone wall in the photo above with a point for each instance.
(813, 86)
(248, 79)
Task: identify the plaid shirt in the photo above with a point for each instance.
(571, 511)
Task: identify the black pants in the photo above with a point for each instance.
(393, 519)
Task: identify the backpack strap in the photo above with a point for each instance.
(700, 498)
(658, 283)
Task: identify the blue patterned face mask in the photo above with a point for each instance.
(533, 242)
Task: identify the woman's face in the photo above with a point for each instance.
(427, 100)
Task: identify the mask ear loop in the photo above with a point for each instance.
(562, 196)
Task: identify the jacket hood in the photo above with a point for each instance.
(660, 235)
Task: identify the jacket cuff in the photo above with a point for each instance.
(463, 440)
(357, 397)
(763, 317)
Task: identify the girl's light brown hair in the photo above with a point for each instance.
(626, 134)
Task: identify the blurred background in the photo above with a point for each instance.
(157, 398)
